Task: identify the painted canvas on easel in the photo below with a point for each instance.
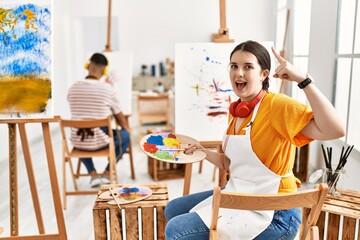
(25, 59)
(203, 89)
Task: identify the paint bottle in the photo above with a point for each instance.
(153, 70)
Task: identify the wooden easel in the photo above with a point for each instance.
(14, 218)
(108, 49)
(221, 37)
(282, 52)
(188, 168)
(108, 42)
(223, 34)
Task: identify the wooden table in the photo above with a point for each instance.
(129, 212)
(340, 216)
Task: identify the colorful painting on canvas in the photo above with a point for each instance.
(26, 59)
(203, 89)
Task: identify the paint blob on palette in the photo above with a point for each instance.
(125, 195)
(170, 147)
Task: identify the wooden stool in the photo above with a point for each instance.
(129, 212)
(160, 170)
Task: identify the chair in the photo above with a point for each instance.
(313, 199)
(69, 153)
(153, 109)
(129, 150)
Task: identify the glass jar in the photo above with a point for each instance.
(332, 177)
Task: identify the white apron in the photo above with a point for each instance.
(248, 175)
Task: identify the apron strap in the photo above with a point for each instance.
(287, 175)
(248, 126)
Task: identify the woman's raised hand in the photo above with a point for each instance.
(286, 71)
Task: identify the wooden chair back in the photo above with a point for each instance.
(153, 109)
(312, 198)
(68, 153)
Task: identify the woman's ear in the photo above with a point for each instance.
(265, 73)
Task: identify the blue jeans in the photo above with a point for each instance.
(185, 226)
(124, 140)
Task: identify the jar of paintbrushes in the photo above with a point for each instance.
(332, 177)
(332, 173)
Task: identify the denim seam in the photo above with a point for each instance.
(193, 233)
(292, 222)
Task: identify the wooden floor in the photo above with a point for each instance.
(78, 216)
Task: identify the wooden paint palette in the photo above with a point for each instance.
(169, 147)
(126, 194)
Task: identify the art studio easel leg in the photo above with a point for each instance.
(54, 180)
(31, 177)
(13, 180)
(187, 179)
(13, 183)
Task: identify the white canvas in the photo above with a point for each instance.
(120, 70)
(120, 66)
(203, 90)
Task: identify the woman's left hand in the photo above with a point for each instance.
(286, 71)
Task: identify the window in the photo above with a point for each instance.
(347, 70)
(301, 41)
(300, 19)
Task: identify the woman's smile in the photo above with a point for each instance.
(240, 85)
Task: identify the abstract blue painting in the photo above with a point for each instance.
(25, 59)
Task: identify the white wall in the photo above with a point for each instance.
(151, 28)
(147, 28)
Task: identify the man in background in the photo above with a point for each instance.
(94, 98)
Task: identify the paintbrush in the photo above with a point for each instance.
(115, 198)
(333, 183)
(172, 149)
(325, 157)
(329, 151)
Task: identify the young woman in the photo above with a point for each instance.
(259, 145)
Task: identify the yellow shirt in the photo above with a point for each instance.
(275, 133)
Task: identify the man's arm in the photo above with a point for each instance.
(122, 121)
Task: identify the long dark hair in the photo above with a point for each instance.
(261, 54)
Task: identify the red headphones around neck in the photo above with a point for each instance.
(243, 109)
